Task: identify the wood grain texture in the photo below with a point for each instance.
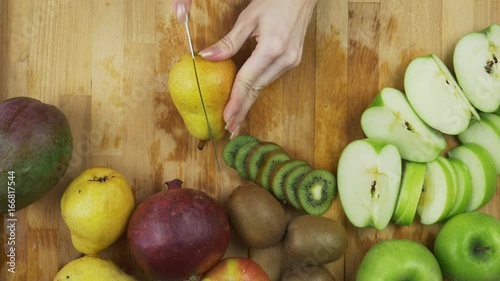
(105, 64)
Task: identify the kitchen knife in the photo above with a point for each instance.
(191, 48)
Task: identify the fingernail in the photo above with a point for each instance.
(180, 12)
(235, 133)
(207, 52)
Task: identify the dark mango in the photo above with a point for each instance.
(35, 150)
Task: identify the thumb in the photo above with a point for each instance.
(230, 44)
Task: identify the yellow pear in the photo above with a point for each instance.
(92, 268)
(216, 80)
(96, 207)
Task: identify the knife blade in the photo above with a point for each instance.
(193, 56)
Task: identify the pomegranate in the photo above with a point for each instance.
(178, 234)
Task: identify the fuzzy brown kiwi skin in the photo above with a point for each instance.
(307, 273)
(314, 240)
(256, 216)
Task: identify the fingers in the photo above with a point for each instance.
(181, 8)
(230, 44)
(270, 60)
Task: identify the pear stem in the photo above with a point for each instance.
(174, 184)
(201, 144)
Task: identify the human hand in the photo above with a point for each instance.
(181, 8)
(279, 27)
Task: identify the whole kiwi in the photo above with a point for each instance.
(314, 240)
(256, 216)
(307, 273)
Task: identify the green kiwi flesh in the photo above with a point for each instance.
(271, 160)
(256, 157)
(278, 175)
(232, 147)
(316, 191)
(241, 156)
(291, 184)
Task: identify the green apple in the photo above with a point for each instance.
(477, 67)
(399, 259)
(485, 134)
(463, 187)
(436, 97)
(492, 117)
(482, 171)
(390, 117)
(369, 178)
(438, 193)
(467, 247)
(409, 194)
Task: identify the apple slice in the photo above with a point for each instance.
(485, 134)
(493, 117)
(390, 118)
(369, 177)
(482, 171)
(436, 97)
(438, 193)
(463, 189)
(477, 67)
(409, 194)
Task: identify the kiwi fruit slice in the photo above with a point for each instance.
(232, 146)
(291, 184)
(256, 157)
(316, 191)
(271, 160)
(241, 156)
(278, 175)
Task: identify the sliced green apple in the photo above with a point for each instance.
(390, 118)
(438, 193)
(436, 97)
(493, 117)
(369, 177)
(464, 187)
(485, 134)
(477, 67)
(409, 194)
(482, 171)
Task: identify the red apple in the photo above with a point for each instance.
(236, 269)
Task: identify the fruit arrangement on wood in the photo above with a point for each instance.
(401, 171)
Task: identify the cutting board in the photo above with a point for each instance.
(105, 64)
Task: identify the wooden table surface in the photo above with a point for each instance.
(105, 64)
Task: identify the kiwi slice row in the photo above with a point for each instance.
(290, 180)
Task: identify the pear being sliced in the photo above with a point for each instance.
(482, 171)
(438, 193)
(390, 118)
(485, 134)
(409, 194)
(436, 97)
(369, 177)
(477, 67)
